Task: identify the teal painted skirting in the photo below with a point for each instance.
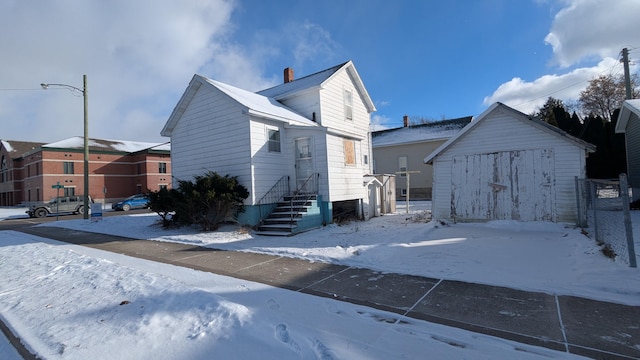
(320, 214)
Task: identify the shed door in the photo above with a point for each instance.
(509, 185)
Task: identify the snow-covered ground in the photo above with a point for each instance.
(72, 302)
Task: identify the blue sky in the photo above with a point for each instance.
(427, 59)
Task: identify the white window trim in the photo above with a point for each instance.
(269, 142)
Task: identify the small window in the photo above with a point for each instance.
(403, 192)
(348, 105)
(163, 187)
(366, 159)
(274, 140)
(162, 168)
(67, 167)
(69, 191)
(402, 165)
(349, 152)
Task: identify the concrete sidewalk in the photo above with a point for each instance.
(595, 329)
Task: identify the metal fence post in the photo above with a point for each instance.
(624, 193)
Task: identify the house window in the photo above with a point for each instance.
(163, 187)
(366, 159)
(274, 140)
(402, 165)
(28, 170)
(349, 152)
(67, 167)
(403, 192)
(348, 105)
(69, 191)
(162, 168)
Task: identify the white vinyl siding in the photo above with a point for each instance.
(267, 167)
(500, 132)
(199, 135)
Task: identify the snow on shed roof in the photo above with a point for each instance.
(260, 104)
(437, 130)
(629, 107)
(516, 114)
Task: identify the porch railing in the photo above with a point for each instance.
(302, 190)
(272, 197)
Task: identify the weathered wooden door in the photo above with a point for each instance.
(508, 185)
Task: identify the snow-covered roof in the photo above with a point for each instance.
(77, 142)
(317, 80)
(17, 149)
(518, 115)
(419, 133)
(260, 105)
(303, 83)
(629, 107)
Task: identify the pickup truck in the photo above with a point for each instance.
(59, 205)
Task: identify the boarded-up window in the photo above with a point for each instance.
(349, 152)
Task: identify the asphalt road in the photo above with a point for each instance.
(26, 221)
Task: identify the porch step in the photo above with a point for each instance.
(283, 220)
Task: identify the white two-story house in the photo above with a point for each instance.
(305, 143)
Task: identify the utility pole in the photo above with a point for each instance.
(627, 77)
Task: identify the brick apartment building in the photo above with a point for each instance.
(31, 171)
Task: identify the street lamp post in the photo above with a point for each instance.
(85, 208)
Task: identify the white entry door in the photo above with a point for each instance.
(508, 185)
(304, 166)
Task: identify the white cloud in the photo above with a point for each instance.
(138, 55)
(380, 122)
(529, 96)
(587, 37)
(587, 29)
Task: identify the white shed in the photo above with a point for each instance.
(506, 165)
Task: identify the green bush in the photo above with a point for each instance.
(163, 202)
(208, 200)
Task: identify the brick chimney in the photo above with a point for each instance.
(405, 119)
(288, 75)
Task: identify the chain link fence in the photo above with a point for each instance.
(603, 212)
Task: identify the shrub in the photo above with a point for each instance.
(163, 202)
(208, 200)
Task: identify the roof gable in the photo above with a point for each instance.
(515, 114)
(629, 108)
(254, 104)
(317, 81)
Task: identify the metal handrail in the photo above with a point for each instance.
(299, 191)
(277, 192)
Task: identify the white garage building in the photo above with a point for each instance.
(506, 165)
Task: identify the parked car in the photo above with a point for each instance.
(139, 201)
(59, 205)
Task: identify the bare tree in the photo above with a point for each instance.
(604, 95)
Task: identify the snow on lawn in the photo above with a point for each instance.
(540, 256)
(72, 302)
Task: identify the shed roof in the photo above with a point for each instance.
(517, 114)
(629, 107)
(430, 131)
